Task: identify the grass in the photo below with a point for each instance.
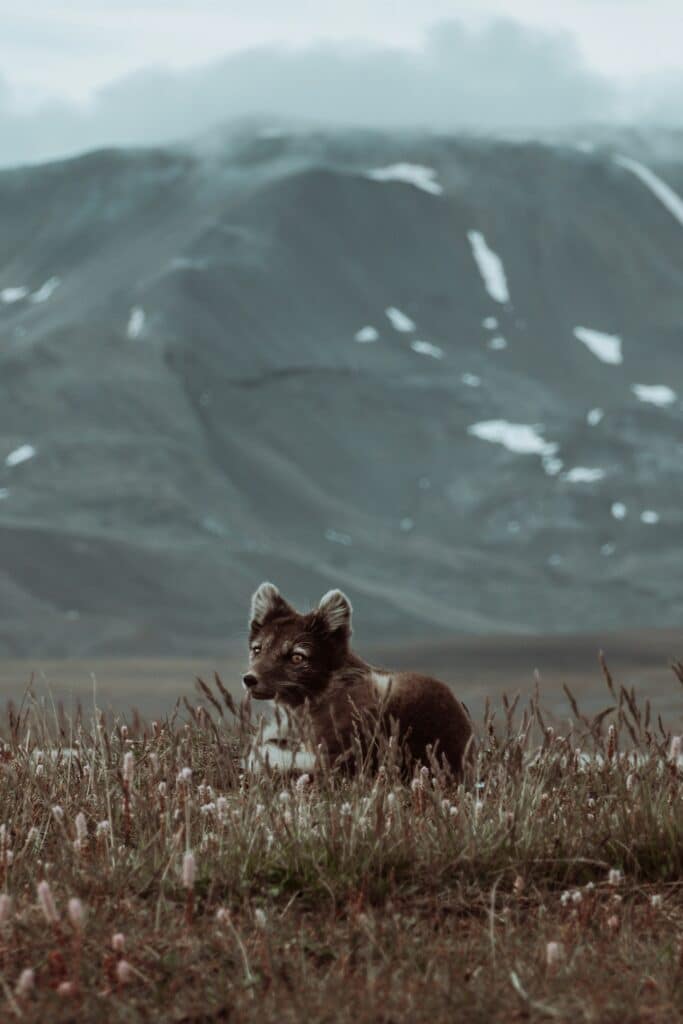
(550, 887)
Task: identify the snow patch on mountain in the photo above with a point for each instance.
(606, 347)
(366, 335)
(516, 437)
(11, 295)
(21, 454)
(399, 321)
(337, 537)
(136, 323)
(654, 394)
(490, 267)
(46, 290)
(417, 175)
(471, 380)
(552, 466)
(425, 348)
(584, 475)
(666, 195)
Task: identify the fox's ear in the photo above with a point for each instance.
(335, 612)
(266, 601)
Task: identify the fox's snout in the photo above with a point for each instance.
(250, 680)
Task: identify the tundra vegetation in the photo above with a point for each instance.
(145, 877)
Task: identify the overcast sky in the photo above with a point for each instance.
(89, 72)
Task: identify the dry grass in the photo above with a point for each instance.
(548, 888)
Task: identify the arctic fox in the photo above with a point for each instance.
(325, 691)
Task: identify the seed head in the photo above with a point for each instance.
(260, 919)
(189, 869)
(25, 983)
(554, 953)
(118, 942)
(128, 767)
(47, 903)
(124, 972)
(76, 912)
(81, 827)
(615, 876)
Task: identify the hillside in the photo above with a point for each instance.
(441, 373)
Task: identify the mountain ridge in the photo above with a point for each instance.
(178, 347)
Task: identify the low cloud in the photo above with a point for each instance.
(501, 77)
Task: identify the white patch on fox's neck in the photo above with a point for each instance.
(281, 759)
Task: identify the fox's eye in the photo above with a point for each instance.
(297, 658)
(256, 649)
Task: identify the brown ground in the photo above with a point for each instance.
(476, 667)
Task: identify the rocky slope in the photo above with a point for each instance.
(441, 373)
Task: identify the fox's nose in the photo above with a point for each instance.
(249, 680)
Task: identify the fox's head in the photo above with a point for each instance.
(292, 656)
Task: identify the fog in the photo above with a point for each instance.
(498, 77)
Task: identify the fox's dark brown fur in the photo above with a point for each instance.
(305, 663)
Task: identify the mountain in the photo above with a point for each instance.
(442, 373)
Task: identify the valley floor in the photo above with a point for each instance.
(476, 667)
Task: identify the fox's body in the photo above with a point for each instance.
(333, 700)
